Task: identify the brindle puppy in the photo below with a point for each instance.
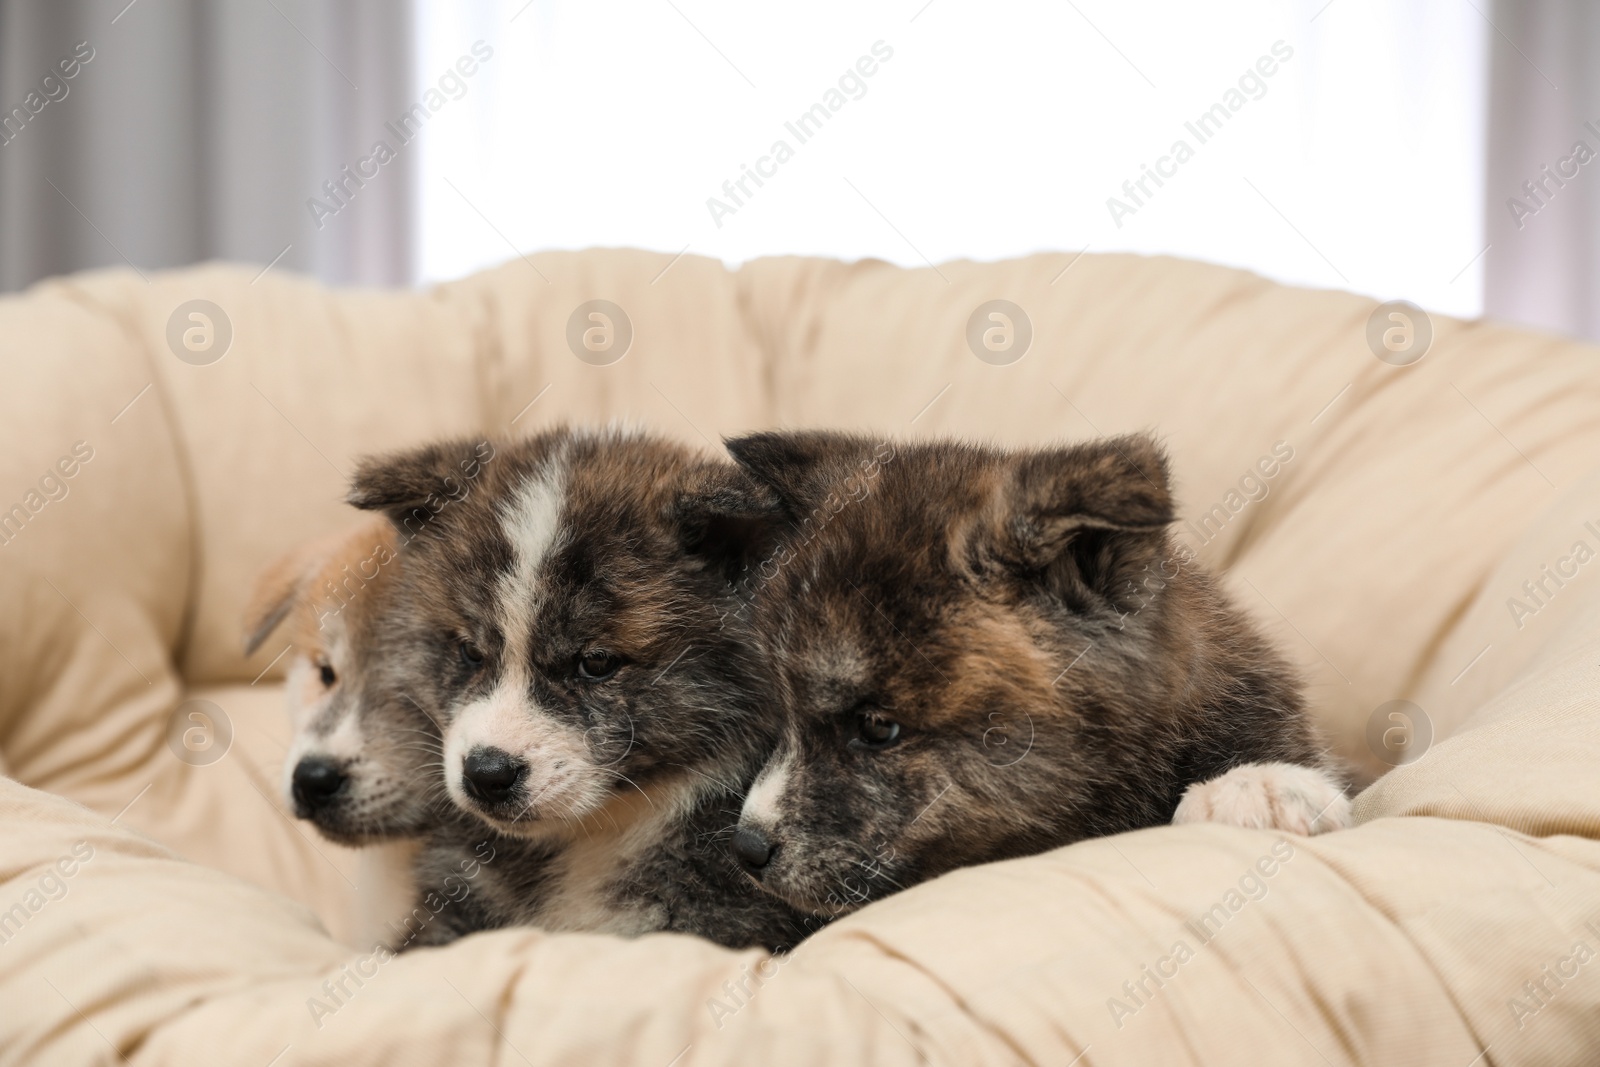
(985, 654)
(561, 615)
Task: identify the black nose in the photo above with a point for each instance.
(316, 781)
(492, 774)
(752, 848)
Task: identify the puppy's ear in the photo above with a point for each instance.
(297, 572)
(273, 597)
(801, 467)
(412, 487)
(1090, 514)
(727, 518)
(1118, 483)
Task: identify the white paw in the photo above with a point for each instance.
(1268, 796)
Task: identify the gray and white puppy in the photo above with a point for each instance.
(561, 613)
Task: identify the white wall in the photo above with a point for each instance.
(995, 129)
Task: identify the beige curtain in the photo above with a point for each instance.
(162, 132)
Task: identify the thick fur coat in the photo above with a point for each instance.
(561, 614)
(983, 654)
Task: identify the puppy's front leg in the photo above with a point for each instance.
(1268, 796)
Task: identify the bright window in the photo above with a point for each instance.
(983, 131)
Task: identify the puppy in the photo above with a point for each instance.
(363, 762)
(355, 762)
(561, 614)
(985, 654)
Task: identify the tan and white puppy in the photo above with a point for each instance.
(361, 759)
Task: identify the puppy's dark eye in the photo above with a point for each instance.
(328, 675)
(875, 731)
(596, 666)
(471, 655)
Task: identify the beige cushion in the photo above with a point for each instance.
(1416, 502)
